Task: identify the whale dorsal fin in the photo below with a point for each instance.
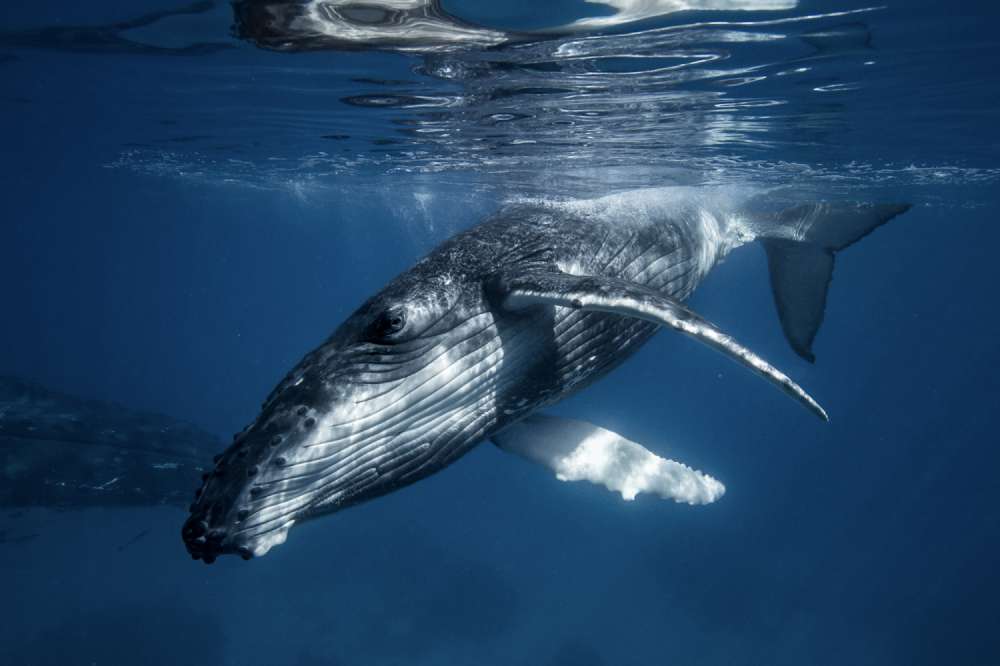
(580, 451)
(604, 294)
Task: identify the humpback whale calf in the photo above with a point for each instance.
(503, 319)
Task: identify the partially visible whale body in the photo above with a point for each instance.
(64, 452)
(498, 322)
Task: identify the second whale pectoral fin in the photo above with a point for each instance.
(580, 451)
(628, 299)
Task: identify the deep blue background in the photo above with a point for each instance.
(871, 540)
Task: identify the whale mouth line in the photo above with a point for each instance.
(207, 544)
(363, 439)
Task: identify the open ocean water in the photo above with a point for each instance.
(195, 195)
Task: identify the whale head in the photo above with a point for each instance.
(402, 388)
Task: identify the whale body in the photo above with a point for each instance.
(65, 452)
(500, 321)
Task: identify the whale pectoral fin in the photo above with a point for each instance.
(580, 451)
(633, 300)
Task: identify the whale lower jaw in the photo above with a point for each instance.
(273, 538)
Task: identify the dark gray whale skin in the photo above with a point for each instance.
(64, 452)
(368, 412)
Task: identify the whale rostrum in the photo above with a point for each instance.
(497, 323)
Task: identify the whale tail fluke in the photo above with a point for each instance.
(800, 255)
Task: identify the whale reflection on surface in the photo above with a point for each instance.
(425, 26)
(404, 25)
(676, 95)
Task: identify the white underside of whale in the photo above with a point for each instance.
(580, 451)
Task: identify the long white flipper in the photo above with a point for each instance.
(580, 451)
(634, 300)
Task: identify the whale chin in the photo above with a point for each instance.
(207, 544)
(263, 543)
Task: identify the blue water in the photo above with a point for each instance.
(187, 212)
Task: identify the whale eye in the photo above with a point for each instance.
(386, 325)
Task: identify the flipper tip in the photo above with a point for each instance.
(809, 403)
